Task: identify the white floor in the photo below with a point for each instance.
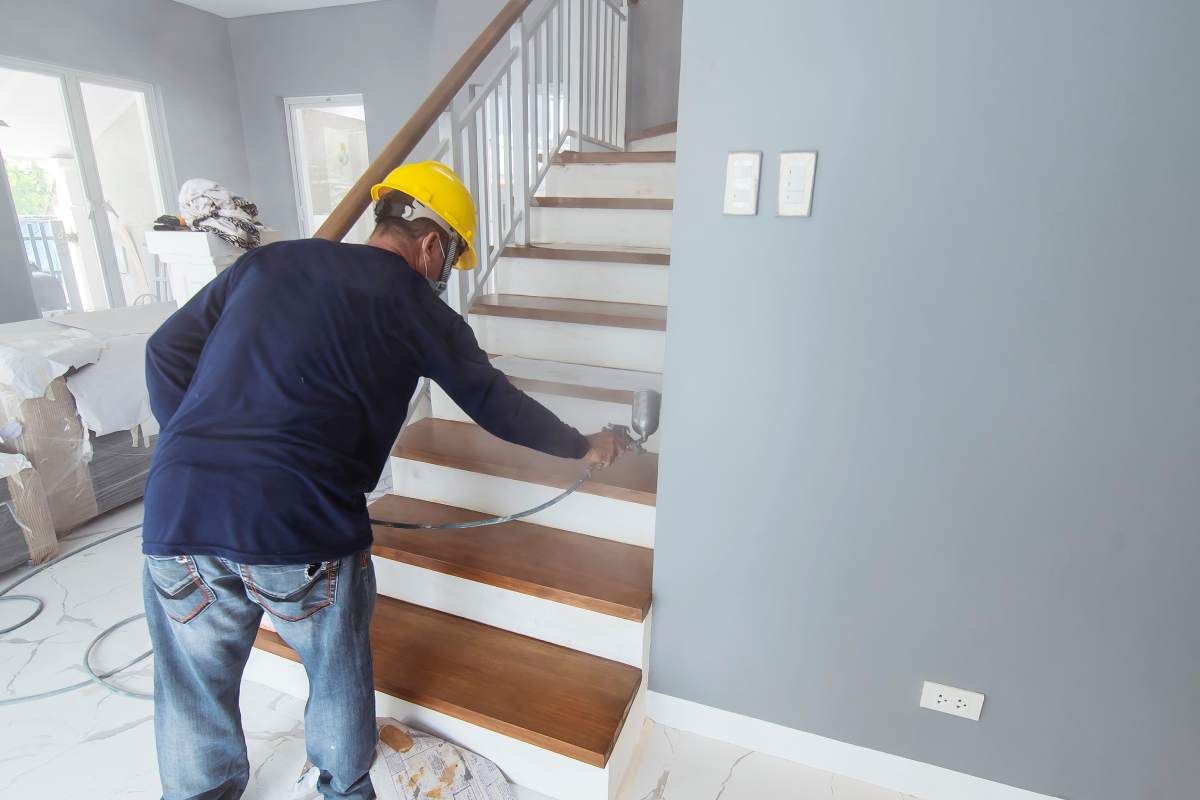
(95, 744)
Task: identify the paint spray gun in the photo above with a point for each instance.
(647, 407)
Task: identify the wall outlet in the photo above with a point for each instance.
(950, 700)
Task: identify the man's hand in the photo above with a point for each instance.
(606, 446)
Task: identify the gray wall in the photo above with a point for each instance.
(949, 427)
(380, 50)
(653, 85)
(183, 51)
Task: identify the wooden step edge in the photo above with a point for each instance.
(620, 157)
(524, 475)
(619, 203)
(651, 132)
(413, 548)
(406, 449)
(585, 254)
(271, 642)
(599, 319)
(500, 581)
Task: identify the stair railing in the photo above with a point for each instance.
(559, 81)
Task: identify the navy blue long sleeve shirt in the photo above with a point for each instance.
(281, 387)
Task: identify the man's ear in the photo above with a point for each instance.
(429, 245)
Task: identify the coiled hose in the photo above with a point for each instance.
(100, 678)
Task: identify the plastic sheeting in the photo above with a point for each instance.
(73, 403)
(26, 529)
(56, 443)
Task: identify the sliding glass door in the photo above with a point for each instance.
(82, 156)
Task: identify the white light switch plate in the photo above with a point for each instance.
(951, 700)
(797, 172)
(742, 171)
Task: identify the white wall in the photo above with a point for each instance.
(378, 50)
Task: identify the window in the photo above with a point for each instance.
(83, 158)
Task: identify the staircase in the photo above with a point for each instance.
(528, 642)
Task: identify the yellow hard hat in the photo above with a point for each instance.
(437, 187)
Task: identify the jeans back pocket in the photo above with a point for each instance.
(291, 592)
(181, 590)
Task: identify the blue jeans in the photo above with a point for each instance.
(203, 613)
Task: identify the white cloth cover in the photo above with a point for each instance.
(31, 359)
(111, 394)
(414, 765)
(207, 206)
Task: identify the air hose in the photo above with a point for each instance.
(645, 407)
(481, 523)
(645, 423)
(100, 678)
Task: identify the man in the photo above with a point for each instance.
(280, 389)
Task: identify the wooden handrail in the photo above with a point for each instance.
(352, 205)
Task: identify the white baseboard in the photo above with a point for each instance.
(904, 775)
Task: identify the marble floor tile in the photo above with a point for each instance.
(94, 744)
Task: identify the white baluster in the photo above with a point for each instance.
(520, 135)
(623, 79)
(574, 68)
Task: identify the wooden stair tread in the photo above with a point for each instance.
(584, 253)
(650, 133)
(584, 571)
(619, 157)
(580, 312)
(631, 203)
(653, 131)
(553, 697)
(463, 445)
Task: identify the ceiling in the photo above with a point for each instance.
(246, 8)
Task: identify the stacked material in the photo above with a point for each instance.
(74, 408)
(26, 529)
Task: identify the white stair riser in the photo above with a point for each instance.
(599, 345)
(527, 765)
(609, 180)
(605, 517)
(665, 141)
(583, 280)
(587, 415)
(614, 227)
(579, 629)
(580, 374)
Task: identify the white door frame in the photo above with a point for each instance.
(296, 145)
(81, 141)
